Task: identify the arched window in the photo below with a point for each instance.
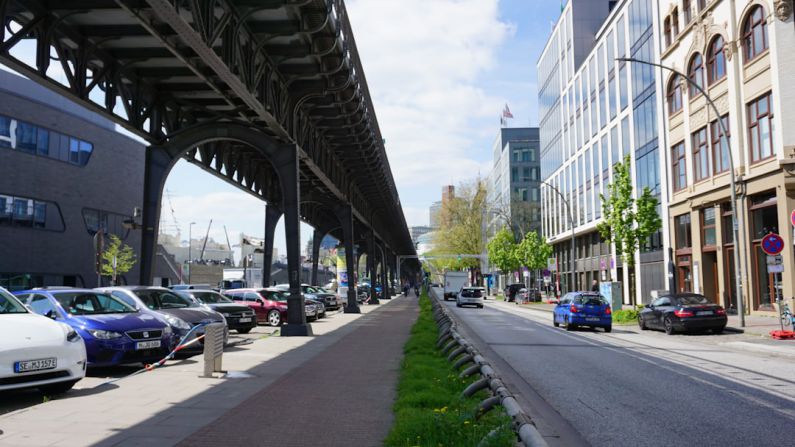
(696, 74)
(755, 33)
(716, 60)
(667, 31)
(675, 94)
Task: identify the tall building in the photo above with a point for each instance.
(594, 111)
(512, 189)
(741, 53)
(435, 214)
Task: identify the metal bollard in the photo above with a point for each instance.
(213, 349)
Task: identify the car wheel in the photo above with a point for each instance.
(57, 388)
(458, 305)
(244, 331)
(569, 326)
(641, 323)
(669, 326)
(274, 318)
(608, 328)
(480, 306)
(554, 321)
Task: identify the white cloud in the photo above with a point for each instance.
(423, 60)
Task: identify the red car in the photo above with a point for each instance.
(269, 305)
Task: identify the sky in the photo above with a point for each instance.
(440, 73)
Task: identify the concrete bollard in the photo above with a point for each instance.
(213, 349)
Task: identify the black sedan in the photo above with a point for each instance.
(684, 312)
(238, 316)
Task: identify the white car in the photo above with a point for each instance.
(472, 296)
(36, 351)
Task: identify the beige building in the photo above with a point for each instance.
(743, 54)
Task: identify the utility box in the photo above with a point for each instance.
(611, 291)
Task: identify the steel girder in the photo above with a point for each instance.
(158, 67)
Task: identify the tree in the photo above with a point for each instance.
(124, 258)
(628, 222)
(461, 226)
(503, 251)
(534, 251)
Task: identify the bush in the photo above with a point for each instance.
(625, 316)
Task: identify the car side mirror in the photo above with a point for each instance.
(650, 306)
(51, 314)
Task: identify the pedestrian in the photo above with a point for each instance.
(595, 286)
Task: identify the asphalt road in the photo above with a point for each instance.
(629, 389)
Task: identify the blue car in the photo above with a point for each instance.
(114, 332)
(583, 309)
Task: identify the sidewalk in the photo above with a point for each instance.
(336, 388)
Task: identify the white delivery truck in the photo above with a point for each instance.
(453, 282)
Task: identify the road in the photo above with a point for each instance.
(625, 388)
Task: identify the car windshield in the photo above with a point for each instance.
(274, 295)
(693, 299)
(211, 298)
(85, 303)
(591, 300)
(471, 293)
(161, 299)
(321, 290)
(10, 305)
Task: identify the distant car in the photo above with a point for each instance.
(36, 351)
(470, 296)
(583, 309)
(684, 312)
(239, 317)
(180, 312)
(329, 299)
(511, 290)
(113, 331)
(269, 305)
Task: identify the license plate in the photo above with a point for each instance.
(245, 320)
(35, 365)
(147, 344)
(704, 312)
(592, 319)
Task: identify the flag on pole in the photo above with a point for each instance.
(506, 112)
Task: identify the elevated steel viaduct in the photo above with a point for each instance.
(269, 95)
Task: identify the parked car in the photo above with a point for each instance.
(239, 317)
(269, 305)
(683, 312)
(470, 296)
(190, 287)
(330, 300)
(113, 331)
(180, 312)
(583, 309)
(511, 290)
(36, 351)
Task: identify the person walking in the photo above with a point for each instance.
(595, 286)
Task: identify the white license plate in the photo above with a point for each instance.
(592, 319)
(147, 344)
(35, 365)
(244, 320)
(704, 312)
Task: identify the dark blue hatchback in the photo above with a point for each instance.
(583, 309)
(113, 331)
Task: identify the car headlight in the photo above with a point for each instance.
(70, 334)
(167, 330)
(178, 323)
(103, 335)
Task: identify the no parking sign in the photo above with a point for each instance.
(772, 244)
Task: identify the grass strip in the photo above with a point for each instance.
(429, 410)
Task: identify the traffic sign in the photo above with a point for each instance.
(792, 218)
(772, 244)
(775, 260)
(775, 269)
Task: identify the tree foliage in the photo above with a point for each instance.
(461, 226)
(503, 251)
(124, 255)
(534, 251)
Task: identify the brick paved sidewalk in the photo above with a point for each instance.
(342, 397)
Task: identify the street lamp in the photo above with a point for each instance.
(190, 245)
(571, 222)
(735, 214)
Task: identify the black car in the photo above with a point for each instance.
(511, 290)
(238, 317)
(683, 312)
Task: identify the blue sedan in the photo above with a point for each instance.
(583, 309)
(113, 331)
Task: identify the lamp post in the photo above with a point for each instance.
(190, 245)
(735, 215)
(571, 222)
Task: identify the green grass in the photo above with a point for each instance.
(625, 316)
(429, 410)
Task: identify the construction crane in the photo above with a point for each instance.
(206, 236)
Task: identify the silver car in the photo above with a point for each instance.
(470, 296)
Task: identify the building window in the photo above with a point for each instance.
(675, 94)
(700, 155)
(716, 60)
(675, 23)
(682, 225)
(679, 171)
(32, 139)
(111, 223)
(760, 135)
(755, 33)
(708, 232)
(720, 150)
(696, 74)
(701, 5)
(26, 212)
(667, 31)
(688, 15)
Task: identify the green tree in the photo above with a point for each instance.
(628, 222)
(533, 251)
(461, 227)
(124, 258)
(503, 250)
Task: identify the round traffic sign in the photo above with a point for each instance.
(792, 218)
(772, 244)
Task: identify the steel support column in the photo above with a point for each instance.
(345, 216)
(385, 293)
(287, 164)
(371, 265)
(272, 216)
(159, 161)
(317, 238)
